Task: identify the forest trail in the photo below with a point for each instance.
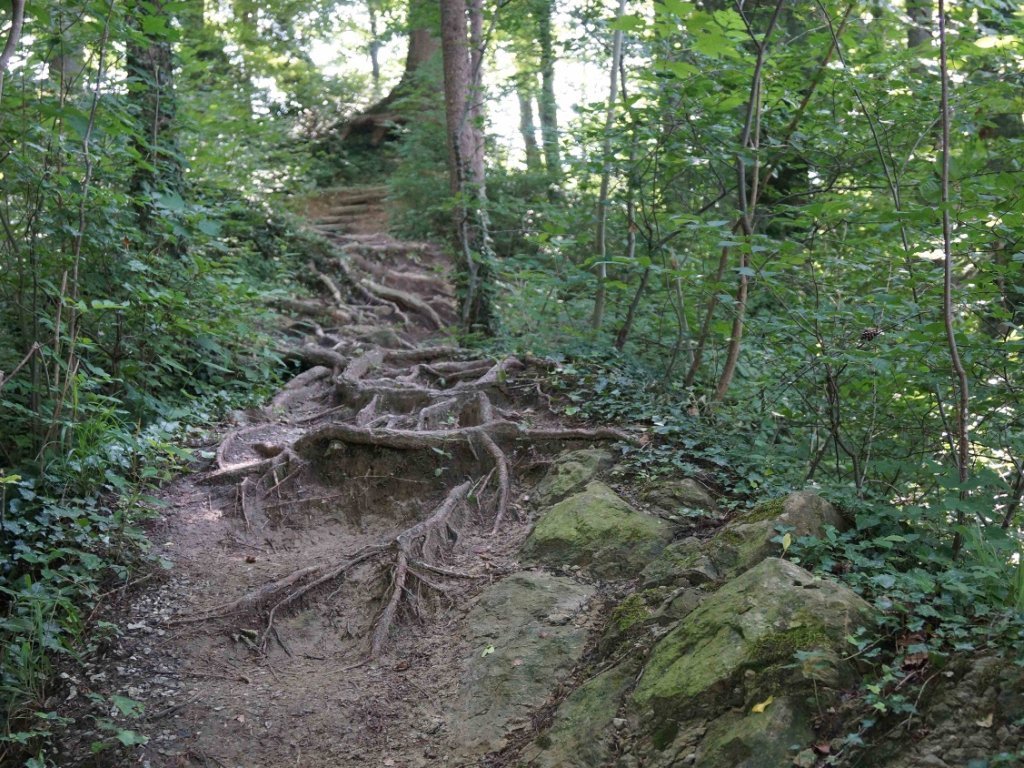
(323, 566)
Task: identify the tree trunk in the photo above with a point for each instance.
(475, 113)
(465, 160)
(601, 247)
(748, 187)
(13, 37)
(423, 39)
(962, 455)
(526, 125)
(920, 30)
(65, 58)
(374, 124)
(548, 105)
(374, 47)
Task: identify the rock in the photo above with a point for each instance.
(804, 511)
(756, 740)
(581, 732)
(680, 496)
(639, 613)
(571, 471)
(972, 710)
(522, 640)
(743, 543)
(598, 530)
(687, 561)
(683, 603)
(737, 649)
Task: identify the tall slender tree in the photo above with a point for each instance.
(548, 102)
(601, 238)
(462, 70)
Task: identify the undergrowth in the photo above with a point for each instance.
(932, 607)
(73, 520)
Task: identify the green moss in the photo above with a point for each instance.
(629, 612)
(664, 734)
(597, 529)
(769, 510)
(776, 647)
(569, 473)
(773, 679)
(637, 607)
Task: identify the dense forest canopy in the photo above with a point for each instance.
(783, 237)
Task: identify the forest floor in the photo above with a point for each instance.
(324, 561)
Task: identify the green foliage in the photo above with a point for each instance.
(418, 189)
(132, 294)
(843, 377)
(931, 607)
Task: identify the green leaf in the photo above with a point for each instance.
(127, 707)
(209, 227)
(627, 23)
(131, 738)
(154, 26)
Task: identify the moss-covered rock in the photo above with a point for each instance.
(634, 617)
(804, 511)
(522, 638)
(737, 648)
(687, 561)
(755, 739)
(679, 497)
(583, 727)
(743, 543)
(967, 716)
(598, 530)
(571, 471)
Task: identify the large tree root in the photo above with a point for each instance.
(411, 439)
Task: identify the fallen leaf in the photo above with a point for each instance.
(823, 749)
(517, 662)
(487, 651)
(759, 708)
(986, 722)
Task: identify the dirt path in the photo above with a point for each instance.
(323, 565)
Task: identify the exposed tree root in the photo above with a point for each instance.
(407, 300)
(382, 394)
(314, 310)
(328, 283)
(409, 439)
(415, 551)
